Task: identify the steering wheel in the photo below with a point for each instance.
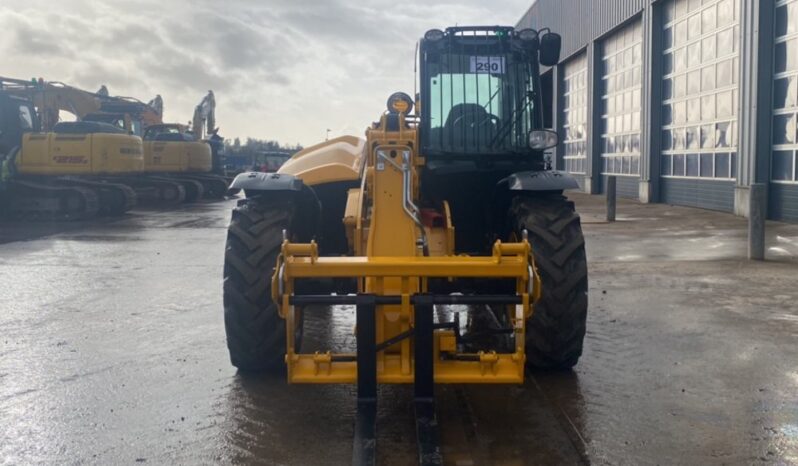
(490, 119)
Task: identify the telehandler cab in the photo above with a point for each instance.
(453, 204)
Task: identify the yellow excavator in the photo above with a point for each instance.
(135, 117)
(61, 170)
(188, 153)
(173, 151)
(445, 228)
(123, 184)
(177, 165)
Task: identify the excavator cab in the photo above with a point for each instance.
(171, 148)
(168, 132)
(17, 116)
(123, 121)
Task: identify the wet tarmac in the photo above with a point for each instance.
(112, 351)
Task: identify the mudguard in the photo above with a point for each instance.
(258, 181)
(307, 223)
(548, 180)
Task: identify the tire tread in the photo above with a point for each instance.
(255, 331)
(556, 330)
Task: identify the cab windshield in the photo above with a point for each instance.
(479, 103)
(167, 133)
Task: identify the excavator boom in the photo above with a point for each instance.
(204, 122)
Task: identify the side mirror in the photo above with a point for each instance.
(549, 49)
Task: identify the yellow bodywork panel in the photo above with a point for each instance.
(335, 160)
(80, 154)
(496, 368)
(497, 266)
(351, 213)
(177, 156)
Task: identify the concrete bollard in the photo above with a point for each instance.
(757, 211)
(611, 198)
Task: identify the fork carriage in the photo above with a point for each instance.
(393, 300)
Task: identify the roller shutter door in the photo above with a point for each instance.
(574, 115)
(783, 196)
(622, 63)
(699, 109)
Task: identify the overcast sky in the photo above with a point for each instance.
(280, 69)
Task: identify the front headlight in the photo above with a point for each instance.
(542, 139)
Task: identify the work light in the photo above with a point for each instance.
(542, 139)
(527, 34)
(434, 34)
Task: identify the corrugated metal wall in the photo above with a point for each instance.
(783, 197)
(579, 21)
(625, 186)
(783, 202)
(714, 195)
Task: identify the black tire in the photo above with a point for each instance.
(556, 330)
(255, 330)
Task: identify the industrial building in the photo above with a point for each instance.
(687, 102)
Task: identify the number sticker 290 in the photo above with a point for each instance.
(492, 65)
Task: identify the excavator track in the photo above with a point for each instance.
(214, 186)
(115, 198)
(38, 201)
(193, 188)
(156, 191)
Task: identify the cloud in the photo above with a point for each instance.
(282, 69)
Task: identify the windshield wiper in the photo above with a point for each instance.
(517, 114)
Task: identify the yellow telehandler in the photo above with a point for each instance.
(445, 228)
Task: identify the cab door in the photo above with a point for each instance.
(19, 128)
(17, 116)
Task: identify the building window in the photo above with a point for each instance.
(621, 100)
(700, 89)
(784, 162)
(574, 114)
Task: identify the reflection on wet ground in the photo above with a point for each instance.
(112, 351)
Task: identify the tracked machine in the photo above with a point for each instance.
(159, 170)
(188, 155)
(45, 155)
(191, 154)
(67, 172)
(444, 228)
